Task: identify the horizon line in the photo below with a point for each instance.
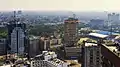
(59, 10)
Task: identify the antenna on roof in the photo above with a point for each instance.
(14, 16)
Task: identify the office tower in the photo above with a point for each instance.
(70, 31)
(91, 55)
(113, 18)
(16, 36)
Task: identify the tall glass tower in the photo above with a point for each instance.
(16, 36)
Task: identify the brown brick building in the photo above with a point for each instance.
(70, 31)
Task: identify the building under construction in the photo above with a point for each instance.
(70, 31)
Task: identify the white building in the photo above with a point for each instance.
(50, 60)
(91, 55)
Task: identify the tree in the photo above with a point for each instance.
(3, 32)
(82, 25)
(41, 29)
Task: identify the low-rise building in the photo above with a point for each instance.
(47, 59)
(55, 41)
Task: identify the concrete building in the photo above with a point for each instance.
(91, 55)
(70, 31)
(47, 59)
(2, 46)
(110, 56)
(73, 52)
(34, 44)
(44, 44)
(55, 41)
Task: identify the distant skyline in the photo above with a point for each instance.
(56, 5)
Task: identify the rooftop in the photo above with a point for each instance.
(75, 64)
(33, 37)
(113, 49)
(98, 35)
(71, 20)
(90, 44)
(52, 59)
(48, 53)
(56, 62)
(106, 32)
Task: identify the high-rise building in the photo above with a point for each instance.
(34, 44)
(17, 37)
(70, 31)
(44, 44)
(91, 55)
(113, 18)
(19, 15)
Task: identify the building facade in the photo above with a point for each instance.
(17, 37)
(34, 44)
(91, 55)
(73, 52)
(70, 31)
(2, 46)
(44, 44)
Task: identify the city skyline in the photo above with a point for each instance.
(51, 5)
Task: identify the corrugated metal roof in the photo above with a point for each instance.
(98, 35)
(106, 32)
(90, 44)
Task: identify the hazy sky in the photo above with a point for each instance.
(74, 5)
